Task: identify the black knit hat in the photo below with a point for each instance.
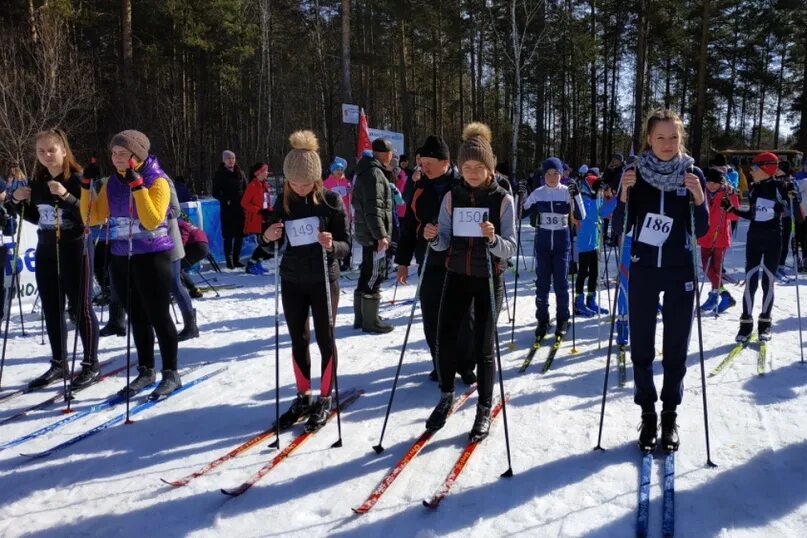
(719, 160)
(714, 175)
(436, 148)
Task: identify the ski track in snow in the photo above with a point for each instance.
(109, 484)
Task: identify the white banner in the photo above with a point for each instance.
(396, 139)
(26, 263)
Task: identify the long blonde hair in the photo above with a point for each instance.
(69, 164)
(657, 116)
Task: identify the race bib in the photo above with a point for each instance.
(47, 215)
(267, 200)
(554, 221)
(764, 210)
(655, 229)
(120, 227)
(466, 221)
(302, 231)
(340, 190)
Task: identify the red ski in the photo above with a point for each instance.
(413, 451)
(184, 481)
(294, 445)
(434, 501)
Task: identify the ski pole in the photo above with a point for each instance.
(331, 323)
(276, 442)
(493, 314)
(379, 448)
(394, 292)
(512, 345)
(613, 318)
(507, 303)
(209, 284)
(694, 245)
(796, 267)
(15, 280)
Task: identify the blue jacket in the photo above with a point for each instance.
(588, 231)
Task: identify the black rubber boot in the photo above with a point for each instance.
(319, 414)
(190, 330)
(116, 326)
(168, 384)
(669, 431)
(300, 408)
(648, 432)
(357, 317)
(438, 417)
(145, 377)
(481, 426)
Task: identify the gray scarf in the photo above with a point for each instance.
(664, 175)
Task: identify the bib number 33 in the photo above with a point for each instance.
(655, 229)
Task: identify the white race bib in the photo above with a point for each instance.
(764, 210)
(554, 221)
(120, 227)
(466, 221)
(655, 229)
(267, 200)
(340, 190)
(47, 215)
(302, 231)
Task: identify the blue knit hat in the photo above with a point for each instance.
(552, 163)
(338, 164)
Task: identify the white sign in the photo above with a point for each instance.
(396, 139)
(26, 263)
(302, 231)
(554, 221)
(655, 229)
(764, 211)
(466, 221)
(350, 114)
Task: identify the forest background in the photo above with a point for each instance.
(566, 78)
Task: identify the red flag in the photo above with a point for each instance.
(364, 141)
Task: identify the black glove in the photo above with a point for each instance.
(134, 179)
(265, 213)
(725, 203)
(573, 189)
(596, 185)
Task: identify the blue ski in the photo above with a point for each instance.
(148, 404)
(668, 521)
(643, 516)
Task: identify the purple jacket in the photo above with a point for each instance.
(143, 241)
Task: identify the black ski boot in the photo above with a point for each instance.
(145, 377)
(541, 330)
(438, 417)
(746, 328)
(648, 431)
(190, 330)
(320, 412)
(764, 329)
(89, 375)
(562, 329)
(300, 408)
(168, 384)
(56, 371)
(481, 426)
(669, 431)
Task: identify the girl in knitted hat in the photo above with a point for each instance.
(51, 202)
(768, 199)
(477, 228)
(136, 201)
(309, 219)
(658, 190)
(257, 204)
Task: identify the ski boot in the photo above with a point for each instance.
(168, 384)
(320, 412)
(190, 330)
(764, 328)
(89, 375)
(591, 303)
(746, 328)
(253, 268)
(711, 303)
(145, 377)
(541, 330)
(561, 329)
(438, 417)
(648, 432)
(622, 332)
(669, 431)
(300, 408)
(56, 371)
(726, 301)
(481, 426)
(580, 307)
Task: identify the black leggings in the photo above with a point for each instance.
(148, 305)
(298, 300)
(194, 253)
(459, 292)
(48, 281)
(761, 256)
(588, 267)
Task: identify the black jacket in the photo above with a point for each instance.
(770, 195)
(372, 202)
(228, 188)
(423, 209)
(70, 224)
(303, 264)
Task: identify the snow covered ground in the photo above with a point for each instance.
(109, 484)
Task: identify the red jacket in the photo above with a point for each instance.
(256, 198)
(190, 233)
(719, 234)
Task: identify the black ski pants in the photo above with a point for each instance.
(371, 271)
(588, 268)
(762, 255)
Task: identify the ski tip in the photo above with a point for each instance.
(359, 511)
(430, 504)
(378, 449)
(173, 483)
(231, 492)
